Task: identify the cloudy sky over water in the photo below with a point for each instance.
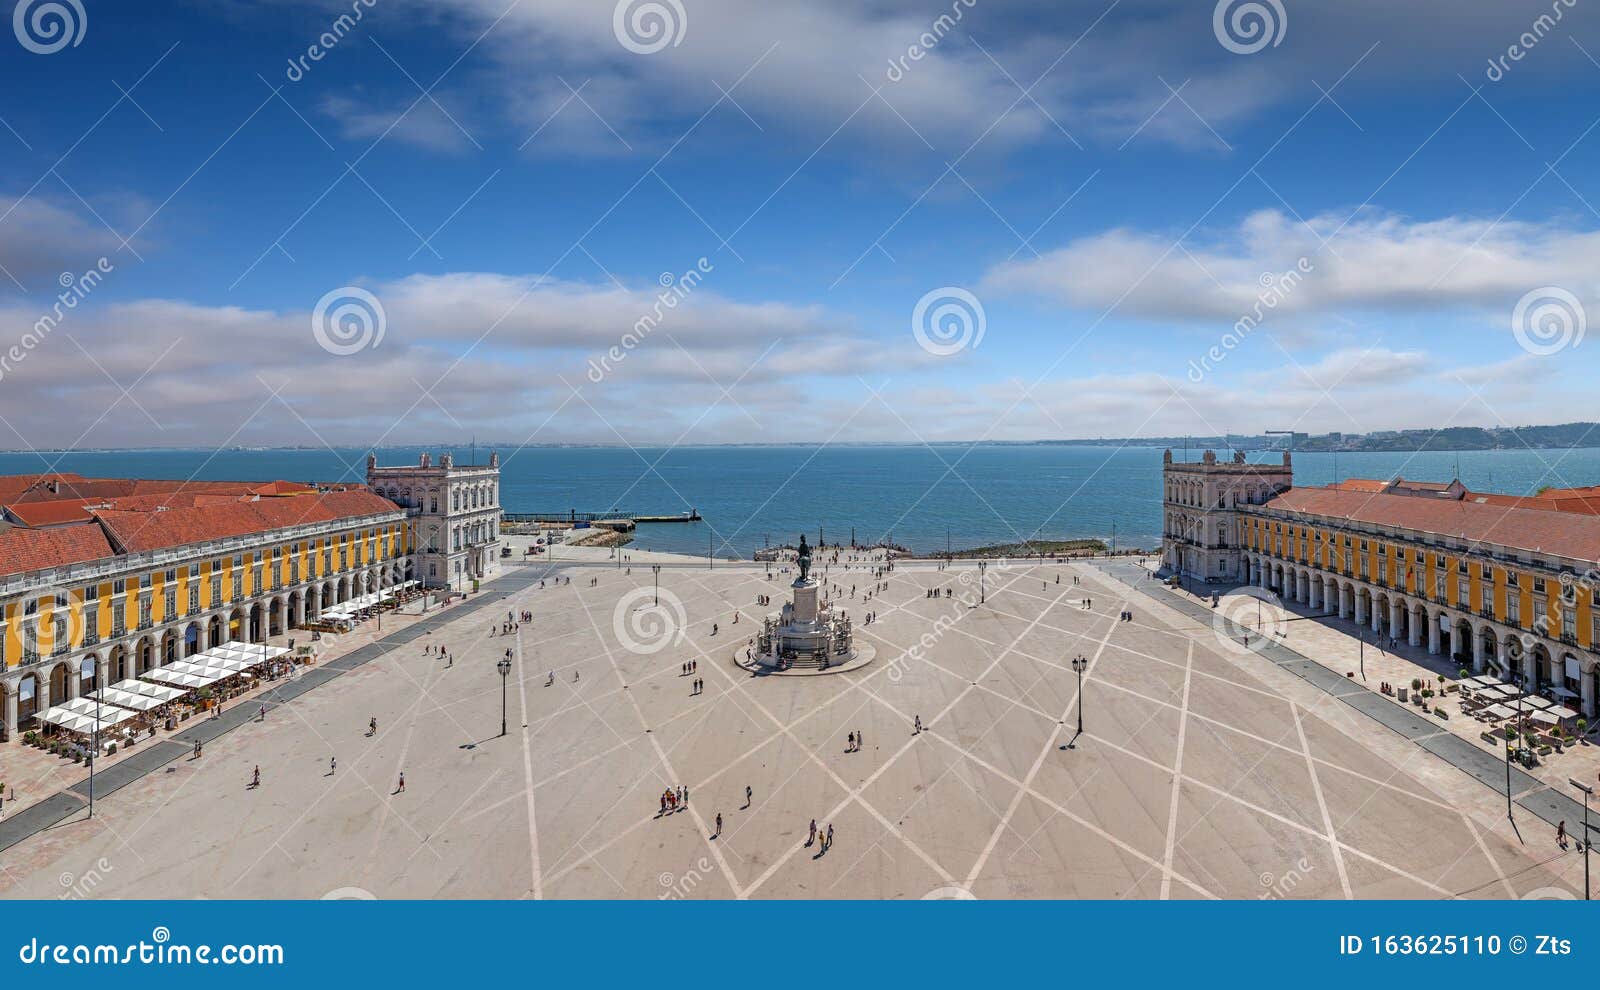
(699, 221)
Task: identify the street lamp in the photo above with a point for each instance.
(655, 571)
(1588, 792)
(504, 667)
(1080, 663)
(983, 565)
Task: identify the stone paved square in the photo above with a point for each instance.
(1203, 771)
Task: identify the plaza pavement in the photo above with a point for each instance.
(1204, 771)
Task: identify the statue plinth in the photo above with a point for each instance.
(805, 602)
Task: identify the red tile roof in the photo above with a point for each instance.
(1566, 534)
(34, 549)
(136, 532)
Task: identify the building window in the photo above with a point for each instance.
(194, 598)
(1514, 609)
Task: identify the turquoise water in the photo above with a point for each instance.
(912, 494)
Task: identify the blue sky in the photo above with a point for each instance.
(1116, 186)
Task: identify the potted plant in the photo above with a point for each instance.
(1416, 684)
(1583, 727)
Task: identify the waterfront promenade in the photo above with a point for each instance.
(1202, 772)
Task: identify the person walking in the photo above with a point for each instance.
(748, 792)
(812, 835)
(402, 788)
(333, 765)
(255, 778)
(1561, 834)
(372, 726)
(718, 832)
(829, 844)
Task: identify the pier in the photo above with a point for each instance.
(612, 516)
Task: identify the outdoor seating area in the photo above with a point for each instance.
(343, 616)
(116, 716)
(1533, 725)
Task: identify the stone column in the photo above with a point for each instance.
(1505, 655)
(1418, 619)
(1396, 616)
(103, 672)
(11, 710)
(1530, 671)
(1479, 661)
(1433, 633)
(1360, 607)
(74, 678)
(1586, 690)
(1316, 595)
(1377, 618)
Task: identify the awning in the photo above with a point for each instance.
(72, 716)
(127, 699)
(161, 692)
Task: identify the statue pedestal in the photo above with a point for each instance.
(805, 602)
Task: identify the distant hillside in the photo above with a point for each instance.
(1566, 435)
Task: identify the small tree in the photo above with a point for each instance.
(1416, 684)
(1583, 726)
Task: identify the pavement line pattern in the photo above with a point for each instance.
(1536, 797)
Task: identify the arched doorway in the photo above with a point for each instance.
(118, 664)
(214, 633)
(191, 639)
(58, 683)
(27, 699)
(89, 674)
(169, 647)
(144, 654)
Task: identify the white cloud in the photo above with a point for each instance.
(1372, 261)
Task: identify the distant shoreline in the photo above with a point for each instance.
(1440, 442)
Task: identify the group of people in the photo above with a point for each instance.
(826, 837)
(1125, 616)
(854, 742)
(673, 800)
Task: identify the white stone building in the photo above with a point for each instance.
(453, 513)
